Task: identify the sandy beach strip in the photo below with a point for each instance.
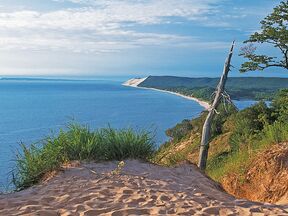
(139, 189)
(136, 82)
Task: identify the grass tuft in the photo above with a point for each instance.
(79, 143)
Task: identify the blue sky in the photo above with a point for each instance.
(126, 37)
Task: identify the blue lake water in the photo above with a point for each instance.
(30, 110)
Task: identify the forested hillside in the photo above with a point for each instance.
(245, 145)
(238, 87)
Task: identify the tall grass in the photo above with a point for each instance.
(275, 133)
(79, 143)
(238, 161)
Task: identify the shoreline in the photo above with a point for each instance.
(135, 82)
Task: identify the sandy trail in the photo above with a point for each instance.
(140, 189)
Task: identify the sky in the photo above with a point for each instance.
(93, 38)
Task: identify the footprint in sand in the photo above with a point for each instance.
(131, 212)
(130, 195)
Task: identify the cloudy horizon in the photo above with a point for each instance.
(125, 37)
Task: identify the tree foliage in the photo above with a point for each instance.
(239, 88)
(280, 106)
(180, 130)
(273, 32)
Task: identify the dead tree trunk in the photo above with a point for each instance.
(206, 132)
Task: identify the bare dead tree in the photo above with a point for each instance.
(219, 94)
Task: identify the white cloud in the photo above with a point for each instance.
(107, 12)
(82, 43)
(99, 25)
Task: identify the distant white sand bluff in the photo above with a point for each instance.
(137, 81)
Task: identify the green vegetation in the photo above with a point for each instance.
(186, 136)
(274, 33)
(251, 130)
(79, 143)
(237, 137)
(279, 105)
(180, 131)
(256, 88)
(237, 162)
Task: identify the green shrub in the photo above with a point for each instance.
(79, 143)
(224, 111)
(248, 123)
(275, 133)
(180, 131)
(280, 106)
(237, 161)
(186, 127)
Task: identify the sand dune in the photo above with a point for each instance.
(139, 189)
(134, 82)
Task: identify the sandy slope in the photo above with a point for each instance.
(134, 82)
(271, 187)
(137, 81)
(140, 189)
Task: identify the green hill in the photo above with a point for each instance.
(239, 88)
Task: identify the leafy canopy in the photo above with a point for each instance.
(273, 32)
(280, 106)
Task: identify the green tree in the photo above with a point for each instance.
(273, 32)
(180, 130)
(280, 105)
